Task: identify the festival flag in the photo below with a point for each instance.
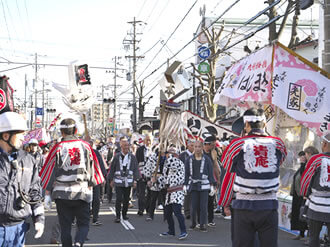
(201, 128)
(248, 80)
(39, 134)
(82, 76)
(301, 91)
(6, 95)
(288, 81)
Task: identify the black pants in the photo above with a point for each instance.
(161, 197)
(187, 204)
(96, 202)
(67, 210)
(199, 201)
(141, 192)
(122, 197)
(154, 196)
(153, 200)
(314, 232)
(210, 209)
(247, 223)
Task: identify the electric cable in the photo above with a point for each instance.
(232, 5)
(19, 67)
(169, 38)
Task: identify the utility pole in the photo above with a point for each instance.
(115, 94)
(326, 23)
(103, 130)
(35, 87)
(43, 103)
(26, 85)
(134, 57)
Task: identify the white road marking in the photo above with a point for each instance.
(126, 224)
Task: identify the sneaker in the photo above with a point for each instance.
(212, 224)
(54, 241)
(198, 226)
(192, 227)
(140, 213)
(160, 207)
(117, 220)
(183, 236)
(125, 217)
(217, 211)
(227, 217)
(149, 218)
(166, 234)
(97, 223)
(203, 228)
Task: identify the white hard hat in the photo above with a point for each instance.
(33, 141)
(12, 121)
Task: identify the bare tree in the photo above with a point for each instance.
(208, 80)
(275, 34)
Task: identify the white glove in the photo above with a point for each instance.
(39, 227)
(212, 191)
(185, 191)
(48, 202)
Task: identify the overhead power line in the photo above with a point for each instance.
(59, 65)
(232, 5)
(169, 37)
(19, 67)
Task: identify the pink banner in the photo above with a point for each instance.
(300, 91)
(39, 134)
(249, 80)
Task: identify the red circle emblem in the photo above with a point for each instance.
(3, 101)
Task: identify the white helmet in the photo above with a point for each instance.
(34, 141)
(12, 121)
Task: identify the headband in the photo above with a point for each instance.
(67, 126)
(254, 118)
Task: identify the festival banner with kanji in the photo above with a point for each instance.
(39, 134)
(6, 95)
(202, 128)
(249, 80)
(300, 91)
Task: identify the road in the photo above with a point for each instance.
(138, 232)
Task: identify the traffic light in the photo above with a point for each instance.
(109, 100)
(50, 110)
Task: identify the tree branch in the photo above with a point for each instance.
(285, 18)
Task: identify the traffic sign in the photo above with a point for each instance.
(39, 111)
(204, 68)
(202, 38)
(204, 52)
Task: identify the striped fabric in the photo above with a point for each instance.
(311, 166)
(232, 151)
(59, 158)
(315, 184)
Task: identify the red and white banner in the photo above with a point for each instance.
(248, 80)
(202, 128)
(300, 91)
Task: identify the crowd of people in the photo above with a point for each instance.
(237, 176)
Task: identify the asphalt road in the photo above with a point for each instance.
(138, 232)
